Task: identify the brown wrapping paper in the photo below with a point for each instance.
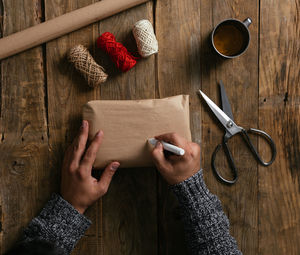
(127, 124)
(61, 25)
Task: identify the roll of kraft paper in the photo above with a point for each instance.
(128, 124)
(61, 25)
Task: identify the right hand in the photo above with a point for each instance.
(173, 168)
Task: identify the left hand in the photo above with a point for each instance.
(78, 186)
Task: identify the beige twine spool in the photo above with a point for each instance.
(143, 33)
(86, 65)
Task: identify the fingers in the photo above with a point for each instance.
(195, 150)
(172, 138)
(78, 146)
(90, 155)
(159, 158)
(106, 177)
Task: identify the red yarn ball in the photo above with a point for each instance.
(117, 52)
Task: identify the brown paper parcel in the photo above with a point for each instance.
(127, 124)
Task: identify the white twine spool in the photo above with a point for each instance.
(145, 38)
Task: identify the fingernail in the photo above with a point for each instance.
(115, 166)
(158, 145)
(99, 133)
(84, 124)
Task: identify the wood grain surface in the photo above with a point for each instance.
(67, 93)
(41, 96)
(178, 72)
(23, 127)
(130, 207)
(240, 78)
(279, 113)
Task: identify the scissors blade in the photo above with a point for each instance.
(227, 122)
(225, 102)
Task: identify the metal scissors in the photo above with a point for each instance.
(225, 116)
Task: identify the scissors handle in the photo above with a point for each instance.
(230, 161)
(252, 148)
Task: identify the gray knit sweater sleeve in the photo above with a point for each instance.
(58, 223)
(206, 225)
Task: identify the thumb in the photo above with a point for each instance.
(106, 177)
(159, 157)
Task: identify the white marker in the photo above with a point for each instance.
(168, 147)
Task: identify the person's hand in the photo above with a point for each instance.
(78, 186)
(173, 168)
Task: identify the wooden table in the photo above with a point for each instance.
(41, 98)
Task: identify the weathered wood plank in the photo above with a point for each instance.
(128, 222)
(178, 33)
(67, 93)
(1, 215)
(87, 245)
(129, 208)
(279, 115)
(23, 126)
(240, 77)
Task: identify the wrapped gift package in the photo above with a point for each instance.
(128, 124)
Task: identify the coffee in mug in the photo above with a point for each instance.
(231, 37)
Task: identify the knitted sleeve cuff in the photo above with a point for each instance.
(192, 189)
(60, 223)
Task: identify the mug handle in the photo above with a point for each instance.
(247, 22)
